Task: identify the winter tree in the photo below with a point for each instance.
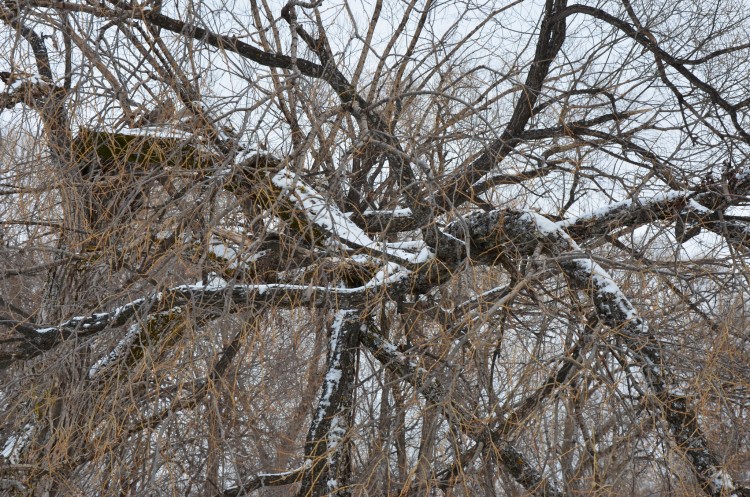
(376, 248)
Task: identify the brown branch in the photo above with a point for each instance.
(458, 187)
(525, 232)
(437, 394)
(649, 42)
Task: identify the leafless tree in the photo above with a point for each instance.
(375, 248)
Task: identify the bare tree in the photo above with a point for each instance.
(375, 248)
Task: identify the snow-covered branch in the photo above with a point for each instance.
(326, 451)
(213, 297)
(700, 209)
(495, 231)
(262, 480)
(27, 89)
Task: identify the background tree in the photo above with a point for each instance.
(424, 248)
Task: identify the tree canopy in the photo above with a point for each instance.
(375, 248)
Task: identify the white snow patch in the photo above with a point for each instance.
(604, 285)
(17, 84)
(213, 282)
(327, 216)
(159, 131)
(721, 482)
(543, 225)
(695, 206)
(335, 434)
(400, 212)
(333, 376)
(15, 444)
(282, 474)
(258, 255)
(122, 346)
(223, 251)
(390, 269)
(116, 313)
(319, 211)
(407, 245)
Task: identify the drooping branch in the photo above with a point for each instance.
(521, 233)
(34, 340)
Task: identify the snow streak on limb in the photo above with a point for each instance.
(23, 89)
(34, 341)
(118, 351)
(37, 340)
(163, 325)
(326, 450)
(262, 480)
(699, 210)
(15, 444)
(325, 217)
(615, 310)
(320, 210)
(437, 394)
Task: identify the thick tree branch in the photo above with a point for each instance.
(458, 186)
(524, 231)
(327, 457)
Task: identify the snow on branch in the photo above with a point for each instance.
(697, 208)
(325, 453)
(16, 443)
(23, 88)
(629, 213)
(213, 296)
(327, 217)
(314, 215)
(129, 345)
(523, 233)
(118, 351)
(389, 221)
(262, 480)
